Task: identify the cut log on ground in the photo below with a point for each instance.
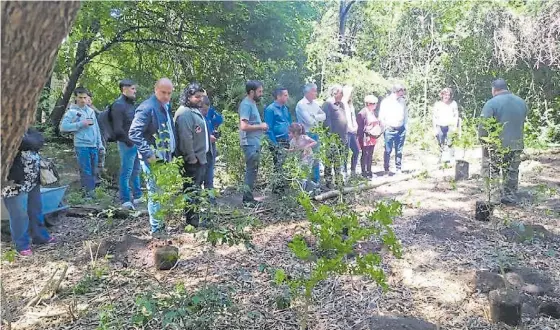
(505, 306)
(366, 186)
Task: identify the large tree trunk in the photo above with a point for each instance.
(31, 34)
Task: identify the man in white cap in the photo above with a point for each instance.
(393, 115)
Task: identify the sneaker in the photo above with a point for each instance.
(137, 201)
(128, 206)
(52, 240)
(25, 253)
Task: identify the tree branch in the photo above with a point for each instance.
(159, 41)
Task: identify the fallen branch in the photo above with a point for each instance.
(365, 186)
(57, 284)
(37, 298)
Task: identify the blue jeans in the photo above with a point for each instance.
(153, 207)
(88, 160)
(252, 159)
(394, 137)
(316, 170)
(26, 216)
(210, 163)
(130, 171)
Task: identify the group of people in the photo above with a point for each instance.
(150, 133)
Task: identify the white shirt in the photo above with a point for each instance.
(309, 113)
(446, 114)
(351, 118)
(393, 112)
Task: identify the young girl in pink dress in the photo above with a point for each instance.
(300, 142)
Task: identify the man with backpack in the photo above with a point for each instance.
(121, 115)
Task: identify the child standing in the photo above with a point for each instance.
(300, 142)
(80, 120)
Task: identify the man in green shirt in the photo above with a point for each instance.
(509, 111)
(251, 129)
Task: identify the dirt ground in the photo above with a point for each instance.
(450, 261)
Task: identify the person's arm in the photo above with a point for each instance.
(185, 136)
(310, 142)
(118, 114)
(216, 118)
(244, 116)
(328, 116)
(321, 115)
(99, 141)
(360, 121)
(269, 120)
(455, 108)
(487, 112)
(69, 122)
(142, 118)
(304, 117)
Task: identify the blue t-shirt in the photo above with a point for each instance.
(248, 111)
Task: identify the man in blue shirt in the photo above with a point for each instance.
(213, 120)
(250, 131)
(277, 117)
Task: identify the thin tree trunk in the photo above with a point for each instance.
(43, 101)
(82, 58)
(31, 34)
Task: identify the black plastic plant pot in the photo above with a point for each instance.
(461, 170)
(483, 210)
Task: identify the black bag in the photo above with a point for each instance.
(106, 125)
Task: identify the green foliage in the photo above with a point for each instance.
(170, 309)
(90, 280)
(337, 230)
(9, 255)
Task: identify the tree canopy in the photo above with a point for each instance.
(427, 45)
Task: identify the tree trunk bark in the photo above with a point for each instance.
(82, 58)
(64, 99)
(31, 34)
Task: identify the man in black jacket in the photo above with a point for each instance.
(122, 113)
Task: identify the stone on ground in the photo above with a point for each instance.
(551, 309)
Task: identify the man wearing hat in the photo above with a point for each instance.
(510, 111)
(393, 115)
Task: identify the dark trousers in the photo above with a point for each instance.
(507, 165)
(367, 159)
(210, 164)
(394, 138)
(252, 158)
(194, 176)
(278, 158)
(353, 145)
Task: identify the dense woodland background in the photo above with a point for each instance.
(427, 45)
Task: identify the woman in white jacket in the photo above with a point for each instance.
(445, 119)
